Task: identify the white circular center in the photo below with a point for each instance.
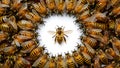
(51, 23)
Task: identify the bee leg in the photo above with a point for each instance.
(55, 40)
(64, 39)
(65, 35)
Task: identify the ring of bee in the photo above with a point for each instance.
(51, 24)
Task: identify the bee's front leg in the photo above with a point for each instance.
(65, 35)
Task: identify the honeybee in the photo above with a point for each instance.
(113, 53)
(60, 34)
(7, 2)
(89, 40)
(60, 6)
(20, 62)
(27, 33)
(22, 11)
(3, 36)
(114, 2)
(101, 16)
(102, 56)
(51, 5)
(2, 46)
(2, 19)
(35, 53)
(115, 42)
(78, 58)
(28, 46)
(60, 62)
(25, 25)
(8, 63)
(69, 61)
(97, 62)
(115, 11)
(78, 8)
(117, 27)
(96, 25)
(101, 5)
(16, 4)
(111, 24)
(41, 61)
(33, 16)
(40, 8)
(6, 27)
(3, 8)
(91, 51)
(70, 5)
(84, 16)
(84, 51)
(18, 39)
(52, 62)
(111, 65)
(91, 2)
(10, 50)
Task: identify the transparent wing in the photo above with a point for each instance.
(51, 32)
(68, 31)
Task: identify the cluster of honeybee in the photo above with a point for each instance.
(19, 47)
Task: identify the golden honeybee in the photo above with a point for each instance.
(20, 62)
(60, 6)
(2, 8)
(27, 33)
(52, 62)
(115, 42)
(60, 34)
(10, 50)
(117, 27)
(60, 62)
(89, 40)
(40, 8)
(114, 2)
(41, 61)
(34, 16)
(70, 5)
(101, 5)
(78, 58)
(22, 11)
(25, 24)
(70, 61)
(35, 53)
(28, 46)
(102, 56)
(113, 53)
(8, 63)
(18, 39)
(84, 16)
(7, 2)
(97, 62)
(51, 5)
(3, 36)
(16, 4)
(115, 11)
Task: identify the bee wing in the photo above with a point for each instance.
(28, 50)
(89, 48)
(51, 32)
(86, 55)
(36, 62)
(13, 22)
(109, 56)
(68, 31)
(116, 50)
(25, 61)
(3, 5)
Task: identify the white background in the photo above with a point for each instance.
(45, 38)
